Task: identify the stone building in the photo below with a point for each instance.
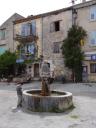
(6, 34)
(55, 27)
(46, 33)
(86, 17)
(28, 38)
(50, 31)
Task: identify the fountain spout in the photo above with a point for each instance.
(45, 91)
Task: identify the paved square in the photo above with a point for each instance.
(82, 116)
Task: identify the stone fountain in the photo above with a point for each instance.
(45, 100)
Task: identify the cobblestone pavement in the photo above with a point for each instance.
(82, 116)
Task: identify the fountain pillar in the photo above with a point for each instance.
(45, 74)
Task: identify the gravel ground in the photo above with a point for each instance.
(82, 116)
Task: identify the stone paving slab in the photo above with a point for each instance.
(82, 116)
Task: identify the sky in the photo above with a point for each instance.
(30, 7)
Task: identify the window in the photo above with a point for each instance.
(93, 13)
(55, 26)
(2, 49)
(29, 66)
(48, 65)
(28, 29)
(30, 48)
(93, 57)
(56, 48)
(2, 34)
(93, 38)
(85, 69)
(25, 30)
(93, 68)
(92, 16)
(33, 27)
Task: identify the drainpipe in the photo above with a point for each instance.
(41, 56)
(74, 13)
(42, 36)
(13, 37)
(15, 68)
(74, 16)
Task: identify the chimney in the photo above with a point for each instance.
(73, 2)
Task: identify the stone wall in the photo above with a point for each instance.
(8, 42)
(17, 30)
(49, 38)
(83, 19)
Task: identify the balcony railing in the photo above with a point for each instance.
(25, 39)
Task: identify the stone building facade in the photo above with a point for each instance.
(6, 34)
(86, 17)
(55, 27)
(28, 34)
(51, 30)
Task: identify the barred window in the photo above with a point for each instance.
(56, 47)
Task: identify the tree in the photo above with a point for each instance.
(7, 63)
(72, 52)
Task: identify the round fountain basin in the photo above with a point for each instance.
(57, 101)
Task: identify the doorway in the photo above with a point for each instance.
(85, 73)
(36, 70)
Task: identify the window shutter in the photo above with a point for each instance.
(23, 30)
(34, 27)
(28, 29)
(93, 38)
(52, 27)
(93, 13)
(2, 34)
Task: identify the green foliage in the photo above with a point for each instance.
(7, 62)
(71, 50)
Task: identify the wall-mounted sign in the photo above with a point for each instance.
(19, 61)
(93, 57)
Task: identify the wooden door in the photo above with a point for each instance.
(36, 70)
